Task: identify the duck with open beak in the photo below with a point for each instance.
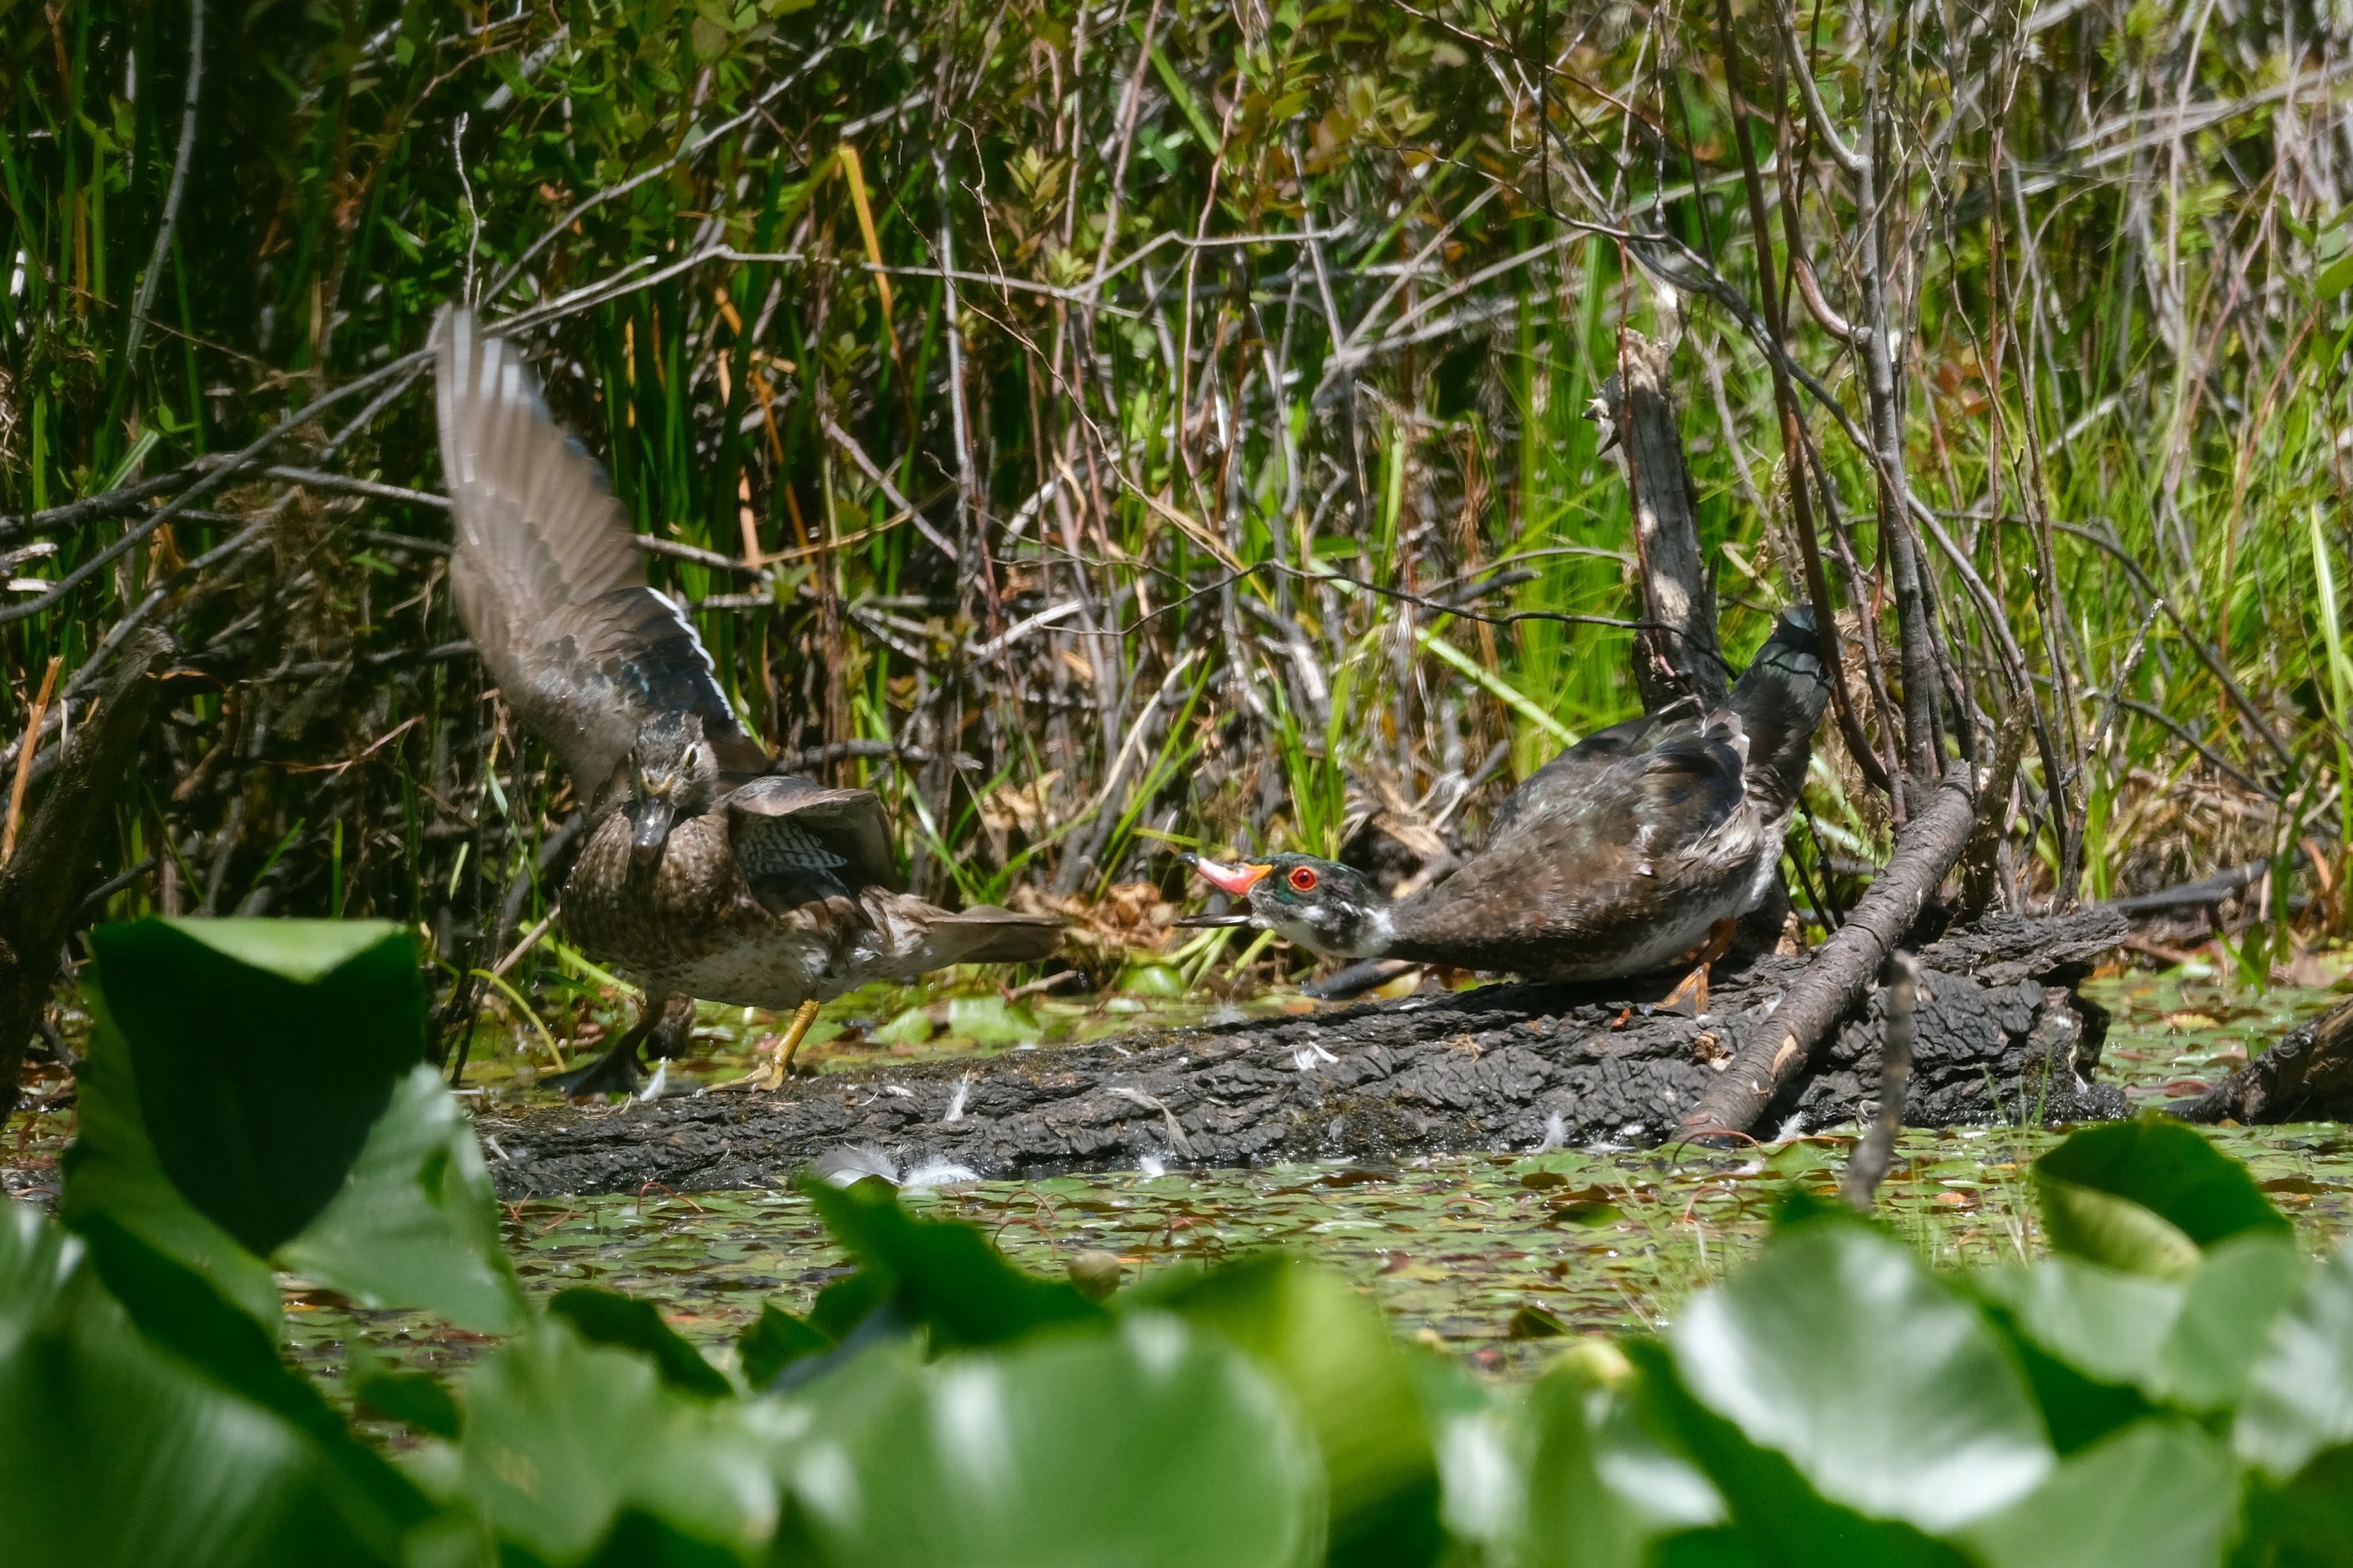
(1320, 905)
(1635, 849)
(1234, 881)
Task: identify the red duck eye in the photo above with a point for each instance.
(1302, 878)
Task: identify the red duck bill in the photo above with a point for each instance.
(1234, 880)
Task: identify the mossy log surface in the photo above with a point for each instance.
(2001, 1036)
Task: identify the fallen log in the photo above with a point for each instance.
(2307, 1077)
(1999, 1034)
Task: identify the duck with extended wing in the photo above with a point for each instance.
(706, 873)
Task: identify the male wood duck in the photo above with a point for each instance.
(1638, 847)
(704, 873)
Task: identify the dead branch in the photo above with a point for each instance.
(43, 883)
(2307, 1077)
(1680, 658)
(1774, 1060)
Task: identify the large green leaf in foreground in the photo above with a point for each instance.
(116, 1451)
(1155, 1447)
(2146, 1196)
(1894, 1396)
(1329, 1349)
(416, 1222)
(2159, 1494)
(294, 1093)
(2299, 1398)
(112, 1169)
(264, 1052)
(946, 1276)
(1601, 1487)
(562, 1438)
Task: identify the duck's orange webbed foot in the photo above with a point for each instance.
(1690, 995)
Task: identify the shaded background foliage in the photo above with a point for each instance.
(1097, 427)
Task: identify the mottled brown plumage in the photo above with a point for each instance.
(704, 875)
(1617, 857)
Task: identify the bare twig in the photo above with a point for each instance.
(25, 749)
(1876, 1154)
(169, 224)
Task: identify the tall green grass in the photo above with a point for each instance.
(1229, 376)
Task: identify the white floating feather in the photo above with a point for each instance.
(937, 1173)
(853, 1163)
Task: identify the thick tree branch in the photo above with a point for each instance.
(1774, 1058)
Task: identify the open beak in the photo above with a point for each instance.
(649, 820)
(1233, 880)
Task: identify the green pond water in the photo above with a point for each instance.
(1490, 1256)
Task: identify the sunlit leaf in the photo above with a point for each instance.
(1776, 1515)
(2300, 1390)
(2129, 1195)
(1330, 1350)
(1481, 1444)
(1601, 1487)
(416, 1222)
(2106, 1324)
(1155, 1446)
(1888, 1393)
(2158, 1494)
(2227, 1314)
(2335, 279)
(2112, 1232)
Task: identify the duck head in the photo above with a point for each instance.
(672, 774)
(1318, 904)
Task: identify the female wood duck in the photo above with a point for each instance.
(705, 874)
(1638, 847)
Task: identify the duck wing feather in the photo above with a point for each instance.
(1602, 844)
(777, 819)
(1564, 783)
(549, 580)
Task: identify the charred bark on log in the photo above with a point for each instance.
(1998, 1033)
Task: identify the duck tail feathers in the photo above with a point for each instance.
(987, 934)
(1779, 699)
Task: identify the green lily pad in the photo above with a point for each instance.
(1155, 1446)
(264, 1052)
(1891, 1394)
